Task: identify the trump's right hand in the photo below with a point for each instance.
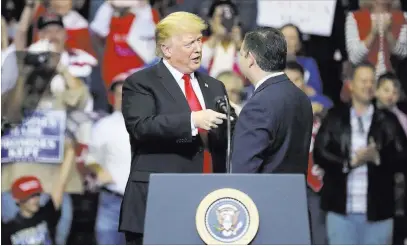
(207, 119)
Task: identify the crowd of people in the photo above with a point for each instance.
(66, 155)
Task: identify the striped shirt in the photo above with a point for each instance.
(356, 201)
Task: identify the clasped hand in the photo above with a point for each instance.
(368, 154)
(384, 26)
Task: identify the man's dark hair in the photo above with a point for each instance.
(395, 80)
(389, 76)
(362, 65)
(268, 47)
(293, 65)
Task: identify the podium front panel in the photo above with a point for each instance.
(173, 200)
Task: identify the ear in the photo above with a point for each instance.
(166, 49)
(251, 60)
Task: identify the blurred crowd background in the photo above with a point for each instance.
(65, 61)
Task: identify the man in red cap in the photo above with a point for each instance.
(35, 224)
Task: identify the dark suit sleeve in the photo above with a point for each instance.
(142, 120)
(321, 153)
(251, 137)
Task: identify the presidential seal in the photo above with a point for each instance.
(227, 216)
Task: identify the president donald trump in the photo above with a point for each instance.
(169, 113)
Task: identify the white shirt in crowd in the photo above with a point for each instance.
(222, 59)
(357, 178)
(110, 147)
(9, 68)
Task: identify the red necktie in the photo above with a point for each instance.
(190, 94)
(195, 105)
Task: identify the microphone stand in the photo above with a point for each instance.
(229, 133)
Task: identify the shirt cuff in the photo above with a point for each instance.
(194, 130)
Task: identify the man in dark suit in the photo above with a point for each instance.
(273, 132)
(169, 114)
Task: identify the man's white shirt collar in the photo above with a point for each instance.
(266, 78)
(175, 73)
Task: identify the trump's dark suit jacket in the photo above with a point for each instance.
(158, 119)
(273, 132)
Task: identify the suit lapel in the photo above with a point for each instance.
(374, 125)
(207, 95)
(171, 85)
(346, 131)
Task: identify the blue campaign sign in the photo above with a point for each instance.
(40, 138)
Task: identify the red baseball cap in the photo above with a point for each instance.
(26, 186)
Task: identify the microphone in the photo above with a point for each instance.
(222, 105)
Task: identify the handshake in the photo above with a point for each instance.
(208, 119)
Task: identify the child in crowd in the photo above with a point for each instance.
(36, 223)
(388, 94)
(295, 73)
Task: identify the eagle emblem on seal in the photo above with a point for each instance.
(228, 220)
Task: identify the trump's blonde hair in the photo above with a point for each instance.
(174, 24)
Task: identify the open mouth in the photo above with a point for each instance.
(197, 59)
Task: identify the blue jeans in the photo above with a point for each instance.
(107, 220)
(355, 229)
(9, 210)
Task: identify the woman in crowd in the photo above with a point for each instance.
(295, 52)
(376, 33)
(220, 49)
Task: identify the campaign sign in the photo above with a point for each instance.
(311, 16)
(40, 138)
